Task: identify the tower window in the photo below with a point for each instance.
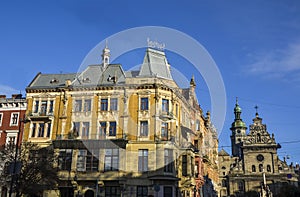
(253, 168)
(268, 168)
(241, 186)
(260, 167)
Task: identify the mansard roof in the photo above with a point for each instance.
(155, 65)
(50, 80)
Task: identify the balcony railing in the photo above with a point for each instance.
(166, 115)
(40, 115)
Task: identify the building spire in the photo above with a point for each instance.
(237, 110)
(256, 109)
(105, 55)
(192, 82)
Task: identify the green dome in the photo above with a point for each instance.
(238, 123)
(237, 108)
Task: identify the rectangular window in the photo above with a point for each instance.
(144, 104)
(104, 104)
(142, 191)
(65, 159)
(192, 166)
(33, 130)
(184, 165)
(78, 105)
(168, 191)
(41, 130)
(176, 110)
(14, 119)
(76, 128)
(36, 107)
(198, 125)
(144, 128)
(48, 130)
(92, 161)
(43, 110)
(87, 105)
(196, 169)
(165, 105)
(85, 130)
(113, 104)
(164, 130)
(143, 160)
(112, 191)
(1, 115)
(51, 107)
(102, 130)
(11, 141)
(81, 160)
(112, 128)
(111, 161)
(169, 164)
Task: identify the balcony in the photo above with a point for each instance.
(166, 115)
(42, 116)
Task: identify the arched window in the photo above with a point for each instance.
(268, 168)
(258, 137)
(241, 186)
(224, 183)
(260, 167)
(253, 168)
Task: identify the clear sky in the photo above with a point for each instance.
(256, 45)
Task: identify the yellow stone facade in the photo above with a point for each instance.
(123, 135)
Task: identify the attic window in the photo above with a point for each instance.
(54, 80)
(86, 80)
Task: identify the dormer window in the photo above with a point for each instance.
(86, 80)
(54, 80)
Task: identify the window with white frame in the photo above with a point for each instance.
(78, 105)
(1, 117)
(14, 119)
(169, 162)
(36, 106)
(144, 103)
(164, 130)
(85, 130)
(41, 130)
(111, 161)
(87, 105)
(144, 128)
(43, 107)
(165, 105)
(102, 130)
(112, 128)
(43, 110)
(65, 159)
(104, 105)
(143, 160)
(11, 141)
(113, 104)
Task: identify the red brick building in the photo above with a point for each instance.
(12, 111)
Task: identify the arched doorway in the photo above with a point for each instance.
(89, 193)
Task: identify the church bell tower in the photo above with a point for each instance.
(238, 131)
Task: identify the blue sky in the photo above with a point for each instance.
(256, 45)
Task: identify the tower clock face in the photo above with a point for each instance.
(260, 157)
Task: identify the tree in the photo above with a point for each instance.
(34, 169)
(289, 190)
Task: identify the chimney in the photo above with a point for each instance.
(16, 96)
